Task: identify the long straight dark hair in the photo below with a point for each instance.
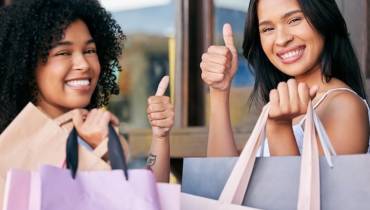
(338, 58)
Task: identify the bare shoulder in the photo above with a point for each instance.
(345, 117)
(345, 103)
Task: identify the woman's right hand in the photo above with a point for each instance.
(289, 100)
(92, 126)
(220, 63)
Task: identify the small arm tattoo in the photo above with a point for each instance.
(151, 160)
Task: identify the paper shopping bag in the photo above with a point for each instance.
(283, 183)
(33, 139)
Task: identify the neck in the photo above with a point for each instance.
(312, 77)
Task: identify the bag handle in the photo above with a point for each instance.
(309, 181)
(115, 152)
(237, 183)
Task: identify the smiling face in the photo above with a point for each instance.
(291, 44)
(69, 77)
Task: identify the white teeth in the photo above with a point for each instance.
(291, 54)
(78, 83)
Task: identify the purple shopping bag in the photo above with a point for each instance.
(97, 190)
(53, 188)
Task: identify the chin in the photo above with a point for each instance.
(78, 104)
(292, 70)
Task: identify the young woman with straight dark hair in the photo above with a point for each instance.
(299, 51)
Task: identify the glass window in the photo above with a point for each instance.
(147, 55)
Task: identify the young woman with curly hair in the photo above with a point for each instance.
(62, 55)
(299, 51)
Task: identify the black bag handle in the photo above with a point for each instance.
(115, 152)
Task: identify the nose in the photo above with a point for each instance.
(283, 37)
(80, 62)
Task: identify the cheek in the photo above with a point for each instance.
(319, 45)
(95, 65)
(51, 75)
(267, 46)
(44, 81)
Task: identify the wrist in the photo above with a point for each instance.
(276, 125)
(160, 138)
(216, 92)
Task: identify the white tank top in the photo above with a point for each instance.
(298, 128)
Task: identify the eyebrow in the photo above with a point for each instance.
(68, 43)
(283, 17)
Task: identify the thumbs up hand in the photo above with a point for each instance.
(160, 111)
(220, 63)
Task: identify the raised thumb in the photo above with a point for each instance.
(228, 37)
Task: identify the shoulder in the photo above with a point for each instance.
(345, 103)
(345, 117)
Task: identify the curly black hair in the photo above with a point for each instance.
(28, 29)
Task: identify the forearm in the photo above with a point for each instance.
(220, 138)
(281, 139)
(160, 156)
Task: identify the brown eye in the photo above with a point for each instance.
(90, 51)
(267, 29)
(294, 20)
(63, 53)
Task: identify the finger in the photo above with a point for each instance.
(90, 118)
(114, 119)
(228, 37)
(158, 100)
(168, 113)
(219, 50)
(78, 119)
(162, 87)
(293, 95)
(217, 59)
(159, 116)
(274, 103)
(149, 117)
(284, 97)
(212, 67)
(304, 96)
(156, 108)
(166, 123)
(97, 118)
(313, 91)
(210, 77)
(105, 118)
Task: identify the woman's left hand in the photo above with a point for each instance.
(160, 111)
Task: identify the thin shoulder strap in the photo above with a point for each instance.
(331, 91)
(326, 95)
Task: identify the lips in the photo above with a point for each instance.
(291, 55)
